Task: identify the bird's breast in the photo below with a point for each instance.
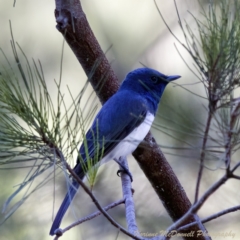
(130, 142)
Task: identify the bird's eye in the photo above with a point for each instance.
(154, 79)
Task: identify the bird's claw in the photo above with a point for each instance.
(126, 171)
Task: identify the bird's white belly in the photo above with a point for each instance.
(130, 143)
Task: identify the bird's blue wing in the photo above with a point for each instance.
(113, 123)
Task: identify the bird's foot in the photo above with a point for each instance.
(124, 169)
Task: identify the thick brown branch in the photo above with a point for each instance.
(72, 23)
(164, 181)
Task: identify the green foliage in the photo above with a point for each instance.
(92, 164)
(33, 129)
(214, 47)
(220, 43)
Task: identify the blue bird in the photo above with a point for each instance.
(121, 124)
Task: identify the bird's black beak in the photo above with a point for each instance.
(173, 77)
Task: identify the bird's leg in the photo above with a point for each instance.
(121, 163)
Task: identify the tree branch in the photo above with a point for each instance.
(73, 24)
(196, 206)
(129, 203)
(93, 215)
(214, 216)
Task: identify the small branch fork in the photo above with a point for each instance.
(93, 215)
(178, 225)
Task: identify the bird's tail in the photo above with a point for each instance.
(65, 204)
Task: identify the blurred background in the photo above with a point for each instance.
(138, 36)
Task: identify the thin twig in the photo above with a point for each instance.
(129, 203)
(194, 208)
(214, 216)
(200, 171)
(93, 215)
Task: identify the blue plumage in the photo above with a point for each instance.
(122, 123)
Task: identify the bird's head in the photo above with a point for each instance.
(147, 82)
